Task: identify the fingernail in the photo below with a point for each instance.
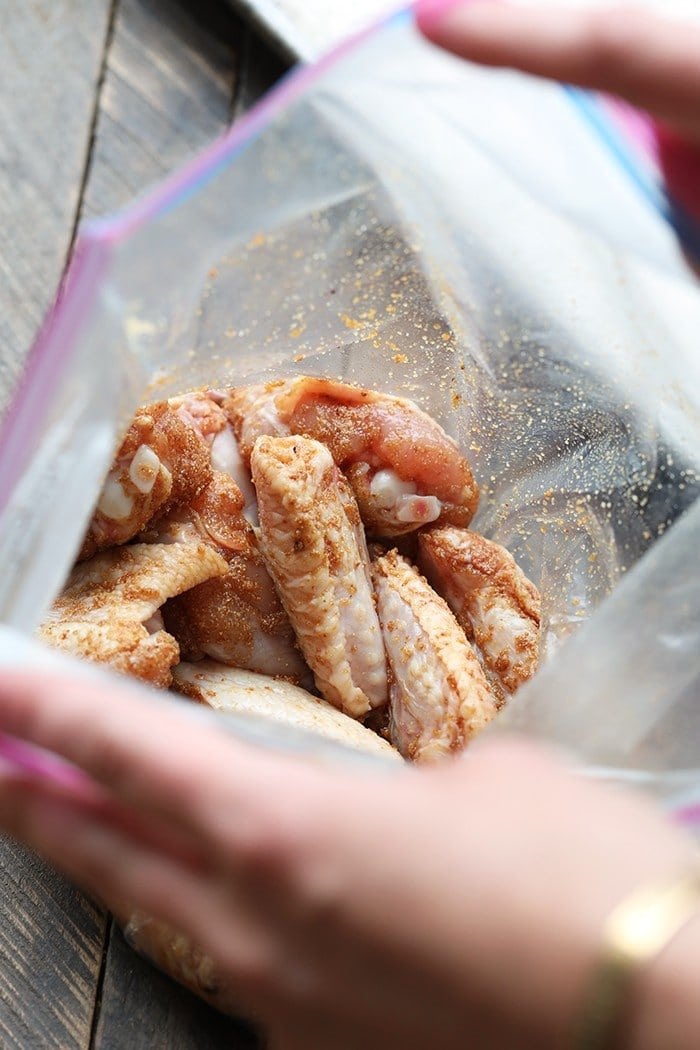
(432, 14)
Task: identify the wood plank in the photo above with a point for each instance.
(143, 1008)
(51, 941)
(167, 93)
(258, 69)
(168, 90)
(51, 55)
(50, 61)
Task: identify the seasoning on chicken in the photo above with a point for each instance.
(236, 618)
(108, 611)
(203, 412)
(404, 469)
(439, 696)
(233, 691)
(314, 546)
(493, 600)
(161, 462)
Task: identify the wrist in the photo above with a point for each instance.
(659, 1008)
(641, 992)
(664, 1008)
(530, 897)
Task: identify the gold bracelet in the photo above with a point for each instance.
(635, 932)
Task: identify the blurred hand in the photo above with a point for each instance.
(650, 61)
(346, 909)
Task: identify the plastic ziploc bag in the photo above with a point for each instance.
(463, 237)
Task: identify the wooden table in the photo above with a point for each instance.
(99, 98)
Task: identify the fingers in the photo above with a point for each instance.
(113, 866)
(146, 750)
(87, 846)
(169, 766)
(648, 60)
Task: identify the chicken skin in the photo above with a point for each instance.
(493, 600)
(231, 533)
(231, 690)
(202, 411)
(313, 543)
(439, 696)
(236, 618)
(162, 462)
(109, 609)
(404, 469)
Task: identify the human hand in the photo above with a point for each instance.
(346, 908)
(648, 60)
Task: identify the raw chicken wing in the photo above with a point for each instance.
(108, 611)
(314, 546)
(202, 411)
(233, 691)
(165, 461)
(161, 462)
(404, 469)
(493, 600)
(236, 618)
(439, 696)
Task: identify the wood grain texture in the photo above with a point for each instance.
(170, 80)
(143, 1008)
(50, 60)
(51, 942)
(51, 55)
(167, 91)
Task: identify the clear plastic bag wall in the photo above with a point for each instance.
(458, 236)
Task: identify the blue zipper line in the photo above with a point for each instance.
(687, 228)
